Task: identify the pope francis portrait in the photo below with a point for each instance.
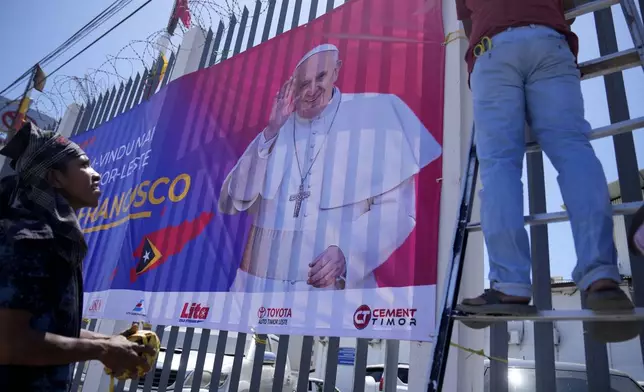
(330, 182)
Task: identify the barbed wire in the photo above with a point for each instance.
(63, 90)
(134, 57)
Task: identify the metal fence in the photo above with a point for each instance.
(219, 46)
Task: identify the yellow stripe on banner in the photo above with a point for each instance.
(107, 226)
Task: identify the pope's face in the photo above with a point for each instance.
(314, 81)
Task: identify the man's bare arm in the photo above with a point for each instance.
(22, 345)
(85, 334)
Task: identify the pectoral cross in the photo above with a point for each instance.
(299, 198)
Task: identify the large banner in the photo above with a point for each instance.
(291, 189)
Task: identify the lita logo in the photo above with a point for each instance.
(194, 313)
(391, 317)
(274, 316)
(96, 306)
(362, 316)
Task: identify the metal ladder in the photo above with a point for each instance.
(605, 65)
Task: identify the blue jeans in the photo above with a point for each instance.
(529, 75)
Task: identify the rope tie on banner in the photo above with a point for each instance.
(144, 337)
(453, 36)
(477, 352)
(258, 340)
(480, 352)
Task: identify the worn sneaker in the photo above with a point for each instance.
(606, 299)
(494, 303)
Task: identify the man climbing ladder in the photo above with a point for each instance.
(523, 69)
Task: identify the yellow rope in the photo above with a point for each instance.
(480, 352)
(477, 352)
(259, 340)
(449, 39)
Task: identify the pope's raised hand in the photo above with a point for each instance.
(283, 106)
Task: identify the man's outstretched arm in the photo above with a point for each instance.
(22, 345)
(85, 334)
(26, 291)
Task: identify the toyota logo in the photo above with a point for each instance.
(261, 312)
(362, 316)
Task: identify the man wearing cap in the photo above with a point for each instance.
(330, 182)
(41, 253)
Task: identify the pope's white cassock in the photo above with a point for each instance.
(363, 152)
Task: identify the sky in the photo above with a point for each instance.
(57, 20)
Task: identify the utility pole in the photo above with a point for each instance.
(36, 81)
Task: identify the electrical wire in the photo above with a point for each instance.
(83, 32)
(90, 44)
(126, 63)
(101, 36)
(103, 17)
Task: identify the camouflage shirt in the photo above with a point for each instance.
(35, 279)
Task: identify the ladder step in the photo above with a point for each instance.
(560, 315)
(609, 130)
(588, 7)
(611, 63)
(562, 216)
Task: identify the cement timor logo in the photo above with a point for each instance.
(384, 317)
(362, 316)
